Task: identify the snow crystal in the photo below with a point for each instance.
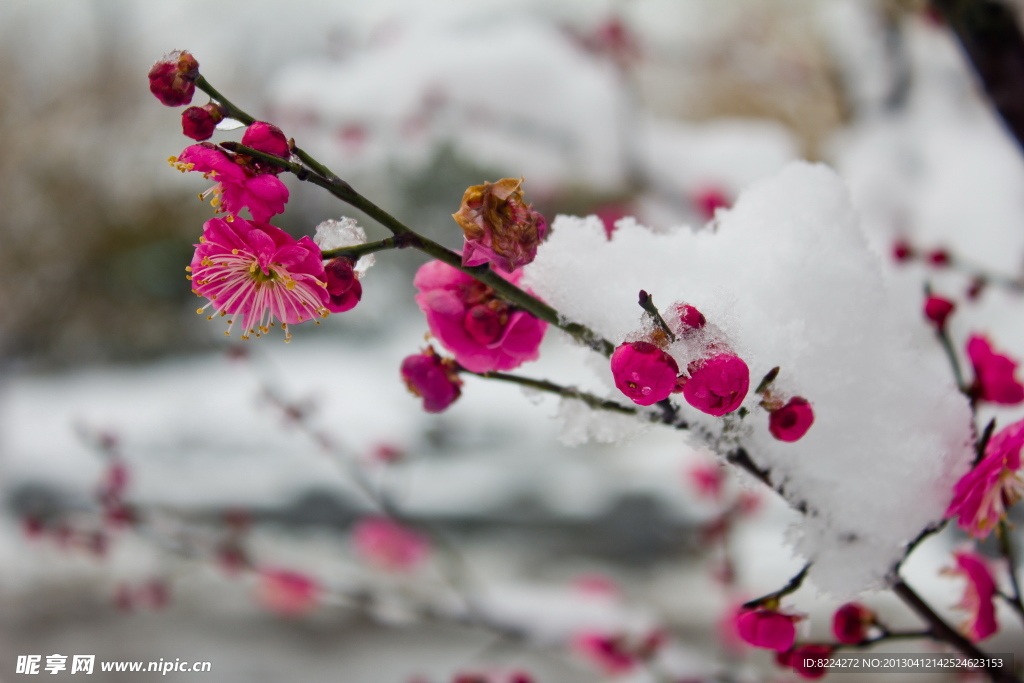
(333, 234)
(582, 425)
(788, 278)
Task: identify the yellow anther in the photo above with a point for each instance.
(202, 240)
(188, 269)
(199, 310)
(234, 251)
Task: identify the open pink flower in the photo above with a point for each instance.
(978, 600)
(173, 78)
(482, 331)
(643, 372)
(994, 373)
(850, 623)
(767, 628)
(982, 496)
(499, 226)
(238, 186)
(288, 593)
(608, 652)
(389, 545)
(260, 272)
(790, 422)
(432, 378)
(717, 385)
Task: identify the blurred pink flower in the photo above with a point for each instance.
(994, 373)
(643, 372)
(717, 385)
(804, 660)
(708, 478)
(982, 496)
(767, 628)
(287, 593)
(790, 422)
(609, 653)
(388, 544)
(482, 331)
(238, 186)
(979, 594)
(259, 271)
(937, 309)
(499, 226)
(709, 199)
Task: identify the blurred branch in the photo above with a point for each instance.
(992, 39)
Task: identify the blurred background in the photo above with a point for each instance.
(660, 109)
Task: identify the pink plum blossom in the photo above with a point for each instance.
(982, 496)
(790, 422)
(260, 272)
(979, 595)
(643, 372)
(995, 381)
(433, 378)
(268, 138)
(238, 186)
(850, 623)
(389, 545)
(709, 199)
(767, 628)
(499, 226)
(286, 592)
(343, 288)
(717, 385)
(482, 331)
(173, 78)
(937, 309)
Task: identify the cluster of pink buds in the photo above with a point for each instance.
(903, 252)
(646, 369)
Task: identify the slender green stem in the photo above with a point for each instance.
(357, 250)
(502, 287)
(591, 400)
(954, 362)
(791, 587)
(235, 112)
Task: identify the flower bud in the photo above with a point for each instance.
(643, 372)
(685, 319)
(806, 660)
(199, 123)
(287, 593)
(344, 289)
(790, 422)
(939, 258)
(268, 138)
(902, 251)
(850, 623)
(389, 545)
(499, 226)
(937, 309)
(717, 385)
(767, 628)
(173, 78)
(432, 378)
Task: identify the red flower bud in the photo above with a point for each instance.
(717, 385)
(199, 123)
(850, 623)
(937, 309)
(432, 378)
(344, 289)
(643, 372)
(173, 78)
(790, 422)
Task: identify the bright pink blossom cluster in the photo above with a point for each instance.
(482, 331)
